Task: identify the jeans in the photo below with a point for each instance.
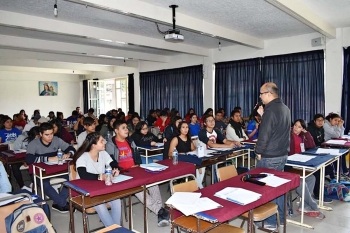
(309, 202)
(110, 219)
(276, 163)
(328, 171)
(59, 199)
(5, 185)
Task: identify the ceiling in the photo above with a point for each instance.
(109, 32)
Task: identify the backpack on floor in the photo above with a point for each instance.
(29, 218)
(337, 191)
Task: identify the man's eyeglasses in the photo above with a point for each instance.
(146, 128)
(261, 93)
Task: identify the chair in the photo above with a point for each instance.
(260, 213)
(193, 223)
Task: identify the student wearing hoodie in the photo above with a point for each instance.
(142, 137)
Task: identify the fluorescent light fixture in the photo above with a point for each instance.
(112, 41)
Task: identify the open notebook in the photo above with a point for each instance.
(238, 195)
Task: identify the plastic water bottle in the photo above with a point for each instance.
(59, 156)
(108, 172)
(108, 135)
(175, 157)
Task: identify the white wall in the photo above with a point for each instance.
(20, 90)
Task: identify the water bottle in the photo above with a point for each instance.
(59, 156)
(349, 135)
(108, 135)
(108, 172)
(175, 157)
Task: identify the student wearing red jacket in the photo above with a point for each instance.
(162, 121)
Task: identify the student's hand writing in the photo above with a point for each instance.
(115, 172)
(153, 143)
(237, 144)
(66, 156)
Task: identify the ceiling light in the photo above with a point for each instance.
(55, 11)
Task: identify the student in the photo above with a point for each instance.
(33, 122)
(300, 140)
(60, 116)
(5, 186)
(44, 149)
(188, 115)
(334, 128)
(21, 120)
(212, 137)
(78, 110)
(234, 131)
(51, 116)
(89, 126)
(169, 133)
(110, 125)
(194, 125)
(121, 116)
(90, 113)
(8, 134)
(134, 120)
(102, 125)
(219, 124)
(142, 137)
(162, 121)
(79, 125)
(21, 143)
(61, 132)
(152, 117)
(73, 118)
(90, 162)
(123, 149)
(253, 125)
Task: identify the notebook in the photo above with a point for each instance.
(238, 195)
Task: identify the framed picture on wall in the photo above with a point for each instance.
(48, 88)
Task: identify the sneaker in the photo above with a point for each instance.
(267, 226)
(313, 213)
(26, 188)
(325, 199)
(61, 209)
(163, 217)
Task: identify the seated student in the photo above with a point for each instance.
(60, 116)
(36, 112)
(5, 186)
(219, 124)
(169, 133)
(90, 161)
(188, 115)
(334, 128)
(79, 125)
(209, 112)
(238, 108)
(89, 126)
(127, 118)
(142, 137)
(111, 121)
(21, 143)
(90, 113)
(194, 125)
(51, 116)
(300, 140)
(123, 149)
(315, 128)
(253, 125)
(234, 130)
(61, 132)
(33, 122)
(121, 116)
(73, 118)
(212, 137)
(162, 121)
(8, 134)
(184, 144)
(44, 149)
(134, 120)
(152, 117)
(20, 120)
(102, 125)
(79, 112)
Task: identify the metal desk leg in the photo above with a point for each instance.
(85, 222)
(250, 222)
(71, 220)
(35, 184)
(285, 213)
(145, 209)
(321, 191)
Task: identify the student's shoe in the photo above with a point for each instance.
(61, 209)
(325, 199)
(26, 188)
(163, 217)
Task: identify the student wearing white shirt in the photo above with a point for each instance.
(234, 130)
(90, 126)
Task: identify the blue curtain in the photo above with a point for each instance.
(345, 108)
(237, 83)
(300, 79)
(180, 88)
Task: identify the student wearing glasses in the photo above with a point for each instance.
(142, 137)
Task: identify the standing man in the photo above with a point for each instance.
(274, 138)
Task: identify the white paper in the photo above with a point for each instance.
(202, 204)
(274, 181)
(255, 140)
(120, 178)
(336, 142)
(8, 201)
(328, 151)
(221, 149)
(238, 195)
(154, 167)
(300, 158)
(159, 144)
(19, 151)
(183, 198)
(345, 136)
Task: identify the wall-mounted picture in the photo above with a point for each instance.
(48, 88)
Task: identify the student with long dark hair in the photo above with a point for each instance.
(61, 132)
(194, 125)
(188, 115)
(90, 161)
(169, 133)
(102, 125)
(142, 137)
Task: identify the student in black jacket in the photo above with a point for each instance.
(169, 133)
(142, 137)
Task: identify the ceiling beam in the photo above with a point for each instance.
(299, 11)
(162, 15)
(12, 19)
(69, 48)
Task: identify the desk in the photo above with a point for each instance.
(231, 210)
(346, 145)
(308, 168)
(140, 181)
(46, 172)
(148, 149)
(8, 157)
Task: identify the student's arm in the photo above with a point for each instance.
(33, 157)
(251, 131)
(18, 143)
(76, 125)
(5, 186)
(333, 132)
(192, 146)
(172, 146)
(83, 174)
(67, 149)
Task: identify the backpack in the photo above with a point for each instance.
(337, 191)
(29, 218)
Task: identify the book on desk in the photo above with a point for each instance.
(238, 195)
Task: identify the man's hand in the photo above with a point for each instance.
(261, 110)
(258, 156)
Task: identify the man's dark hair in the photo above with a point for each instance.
(91, 110)
(118, 123)
(237, 108)
(217, 112)
(88, 121)
(45, 126)
(75, 113)
(318, 115)
(77, 108)
(163, 113)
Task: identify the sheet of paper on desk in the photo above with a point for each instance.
(345, 136)
(183, 198)
(300, 157)
(154, 166)
(274, 181)
(238, 195)
(220, 149)
(255, 140)
(159, 144)
(121, 178)
(336, 142)
(328, 151)
(19, 151)
(8, 201)
(202, 204)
